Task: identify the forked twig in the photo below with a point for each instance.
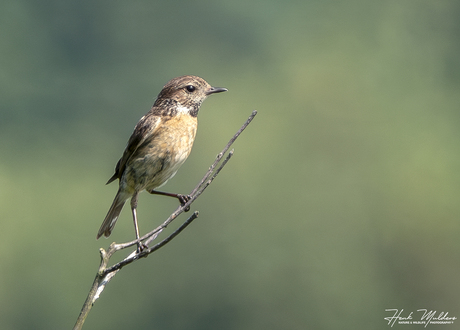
(106, 272)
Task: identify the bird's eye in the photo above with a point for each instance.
(190, 88)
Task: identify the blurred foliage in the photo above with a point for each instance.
(341, 200)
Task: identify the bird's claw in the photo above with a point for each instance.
(183, 199)
(141, 247)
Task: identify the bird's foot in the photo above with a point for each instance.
(141, 247)
(183, 199)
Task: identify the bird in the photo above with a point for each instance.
(160, 143)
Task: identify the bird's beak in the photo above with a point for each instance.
(213, 90)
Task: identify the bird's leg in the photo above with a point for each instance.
(182, 198)
(140, 246)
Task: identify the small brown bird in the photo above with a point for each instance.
(160, 144)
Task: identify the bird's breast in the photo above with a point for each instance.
(159, 157)
(176, 136)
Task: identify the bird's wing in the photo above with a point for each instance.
(145, 128)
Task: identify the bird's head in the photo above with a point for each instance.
(187, 93)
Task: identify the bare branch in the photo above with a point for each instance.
(106, 273)
(146, 252)
(221, 154)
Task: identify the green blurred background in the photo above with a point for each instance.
(342, 198)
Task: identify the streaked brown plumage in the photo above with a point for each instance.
(160, 144)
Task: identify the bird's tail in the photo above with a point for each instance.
(113, 214)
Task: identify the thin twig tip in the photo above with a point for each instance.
(102, 252)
